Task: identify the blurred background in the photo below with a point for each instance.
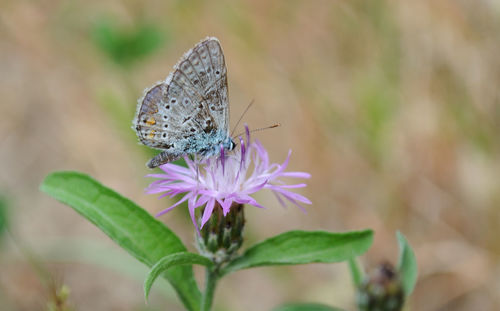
(392, 106)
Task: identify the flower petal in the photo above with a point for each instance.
(187, 196)
(208, 211)
(292, 195)
(296, 174)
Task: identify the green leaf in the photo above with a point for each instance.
(127, 224)
(407, 265)
(170, 261)
(356, 272)
(306, 307)
(301, 247)
(3, 215)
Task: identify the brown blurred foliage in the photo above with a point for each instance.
(392, 106)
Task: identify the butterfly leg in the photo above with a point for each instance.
(196, 163)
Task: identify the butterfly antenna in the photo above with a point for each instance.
(261, 129)
(242, 115)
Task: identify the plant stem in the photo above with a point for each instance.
(208, 294)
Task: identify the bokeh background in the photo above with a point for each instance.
(392, 106)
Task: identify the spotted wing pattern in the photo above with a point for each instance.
(191, 101)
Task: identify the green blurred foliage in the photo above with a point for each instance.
(120, 113)
(466, 119)
(3, 216)
(377, 103)
(238, 22)
(127, 45)
(376, 89)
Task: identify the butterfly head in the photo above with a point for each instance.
(229, 144)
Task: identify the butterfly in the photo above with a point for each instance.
(188, 113)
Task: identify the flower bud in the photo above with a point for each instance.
(382, 290)
(221, 236)
(59, 298)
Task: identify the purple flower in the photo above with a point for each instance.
(230, 178)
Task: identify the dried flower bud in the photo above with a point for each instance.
(382, 290)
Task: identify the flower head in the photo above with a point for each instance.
(230, 178)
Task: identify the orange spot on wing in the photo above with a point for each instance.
(151, 121)
(151, 134)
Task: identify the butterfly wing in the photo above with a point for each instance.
(192, 100)
(216, 92)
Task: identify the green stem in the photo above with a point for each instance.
(356, 272)
(208, 294)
